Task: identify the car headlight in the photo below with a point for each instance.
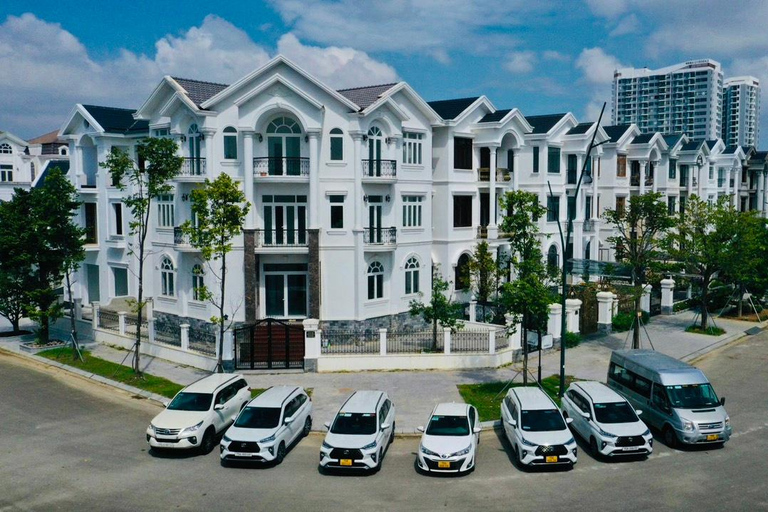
(268, 439)
(462, 452)
(571, 441)
(327, 446)
(427, 451)
(606, 434)
(225, 439)
(152, 427)
(687, 426)
(527, 442)
(727, 421)
(193, 428)
(370, 446)
(647, 432)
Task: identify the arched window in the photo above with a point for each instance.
(6, 149)
(284, 125)
(284, 148)
(337, 144)
(230, 143)
(411, 276)
(167, 278)
(461, 277)
(63, 150)
(198, 282)
(553, 260)
(375, 281)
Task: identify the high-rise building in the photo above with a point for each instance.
(683, 98)
(741, 110)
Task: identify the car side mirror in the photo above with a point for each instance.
(384, 426)
(568, 420)
(585, 415)
(288, 420)
(512, 422)
(420, 428)
(218, 407)
(722, 400)
(327, 425)
(638, 411)
(477, 430)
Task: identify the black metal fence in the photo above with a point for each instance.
(131, 323)
(168, 334)
(465, 340)
(350, 342)
(109, 320)
(203, 341)
(414, 342)
(502, 340)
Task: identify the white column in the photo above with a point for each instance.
(248, 141)
(184, 335)
(701, 178)
(692, 169)
(515, 339)
(645, 299)
(473, 311)
(643, 173)
(655, 186)
(727, 174)
(760, 192)
(95, 312)
(762, 198)
(312, 337)
(492, 232)
(667, 296)
(446, 340)
(736, 182)
(357, 230)
(604, 313)
(314, 179)
(516, 174)
(553, 323)
(209, 152)
(357, 166)
(382, 342)
(572, 308)
(121, 321)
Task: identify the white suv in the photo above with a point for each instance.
(449, 443)
(361, 432)
(606, 420)
(268, 425)
(536, 428)
(199, 412)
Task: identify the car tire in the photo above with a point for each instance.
(593, 448)
(209, 441)
(670, 438)
(392, 435)
(379, 461)
(280, 454)
(307, 426)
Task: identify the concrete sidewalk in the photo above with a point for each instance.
(416, 392)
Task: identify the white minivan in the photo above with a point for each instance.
(360, 434)
(536, 429)
(268, 426)
(606, 420)
(199, 412)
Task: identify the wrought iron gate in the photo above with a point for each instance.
(269, 344)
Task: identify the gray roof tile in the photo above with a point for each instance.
(366, 96)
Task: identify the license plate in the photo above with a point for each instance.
(443, 464)
(551, 458)
(238, 454)
(712, 437)
(161, 444)
(631, 449)
(345, 462)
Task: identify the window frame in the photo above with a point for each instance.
(412, 274)
(553, 159)
(412, 211)
(462, 153)
(198, 281)
(336, 202)
(167, 277)
(230, 143)
(375, 278)
(166, 210)
(412, 148)
(464, 218)
(336, 145)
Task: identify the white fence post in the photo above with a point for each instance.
(382, 342)
(645, 299)
(229, 348)
(77, 304)
(492, 342)
(604, 307)
(572, 307)
(615, 304)
(447, 340)
(121, 322)
(216, 337)
(312, 339)
(553, 323)
(95, 313)
(473, 311)
(184, 329)
(667, 296)
(151, 329)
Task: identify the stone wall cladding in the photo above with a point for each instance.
(169, 321)
(398, 322)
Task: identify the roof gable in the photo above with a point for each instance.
(451, 109)
(117, 120)
(365, 96)
(544, 123)
(199, 91)
(616, 131)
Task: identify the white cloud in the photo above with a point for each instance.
(46, 69)
(520, 62)
(555, 56)
(607, 8)
(627, 25)
(597, 66)
(432, 27)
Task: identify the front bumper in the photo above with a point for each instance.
(529, 457)
(706, 437)
(265, 453)
(355, 459)
(609, 448)
(454, 464)
(174, 442)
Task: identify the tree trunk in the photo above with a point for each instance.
(525, 349)
(44, 332)
(741, 300)
(704, 297)
(636, 323)
(538, 332)
(140, 296)
(434, 334)
(72, 323)
(219, 363)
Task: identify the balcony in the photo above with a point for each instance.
(181, 240)
(649, 180)
(379, 170)
(281, 237)
(381, 237)
(116, 241)
(502, 174)
(482, 232)
(193, 168)
(275, 166)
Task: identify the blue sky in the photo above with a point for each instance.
(539, 56)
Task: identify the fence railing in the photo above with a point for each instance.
(281, 237)
(414, 342)
(203, 341)
(464, 340)
(167, 333)
(131, 323)
(379, 168)
(502, 340)
(280, 166)
(380, 236)
(109, 320)
(350, 342)
(193, 167)
(179, 237)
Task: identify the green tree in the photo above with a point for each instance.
(48, 243)
(485, 274)
(441, 309)
(219, 208)
(640, 229)
(700, 243)
(15, 261)
(158, 164)
(527, 297)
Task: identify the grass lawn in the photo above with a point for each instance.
(113, 371)
(710, 331)
(487, 398)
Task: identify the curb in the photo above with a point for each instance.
(717, 344)
(161, 400)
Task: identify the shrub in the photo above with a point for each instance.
(572, 339)
(622, 322)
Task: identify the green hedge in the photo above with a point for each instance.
(572, 339)
(623, 321)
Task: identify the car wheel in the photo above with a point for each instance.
(307, 426)
(208, 442)
(392, 435)
(280, 453)
(378, 465)
(670, 438)
(593, 447)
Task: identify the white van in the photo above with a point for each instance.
(676, 398)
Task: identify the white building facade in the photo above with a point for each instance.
(741, 111)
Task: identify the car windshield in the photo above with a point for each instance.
(542, 420)
(615, 412)
(258, 417)
(448, 426)
(354, 424)
(692, 396)
(191, 402)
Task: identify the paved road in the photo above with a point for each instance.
(68, 444)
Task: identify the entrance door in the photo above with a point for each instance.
(374, 219)
(269, 343)
(92, 274)
(285, 290)
(374, 151)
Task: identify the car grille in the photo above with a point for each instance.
(244, 447)
(346, 453)
(711, 426)
(455, 464)
(555, 449)
(630, 441)
(167, 431)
